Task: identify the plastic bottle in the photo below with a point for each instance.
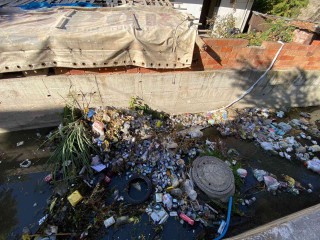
(188, 187)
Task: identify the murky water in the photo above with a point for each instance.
(267, 206)
(23, 193)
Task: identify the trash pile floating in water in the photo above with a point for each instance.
(288, 138)
(140, 162)
(113, 165)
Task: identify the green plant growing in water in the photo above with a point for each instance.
(74, 145)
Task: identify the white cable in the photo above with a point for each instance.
(250, 89)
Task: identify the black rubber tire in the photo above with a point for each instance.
(135, 177)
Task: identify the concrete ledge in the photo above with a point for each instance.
(300, 225)
(32, 102)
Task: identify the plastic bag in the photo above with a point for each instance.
(167, 201)
(314, 165)
(280, 114)
(188, 187)
(284, 127)
(266, 146)
(271, 183)
(259, 174)
(242, 172)
(314, 148)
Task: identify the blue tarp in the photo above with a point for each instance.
(37, 5)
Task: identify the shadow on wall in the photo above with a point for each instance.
(278, 89)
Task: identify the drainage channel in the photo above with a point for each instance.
(24, 193)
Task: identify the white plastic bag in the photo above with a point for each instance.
(259, 174)
(188, 187)
(314, 165)
(266, 146)
(284, 127)
(167, 201)
(314, 148)
(271, 183)
(242, 172)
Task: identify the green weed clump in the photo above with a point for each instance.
(279, 30)
(73, 145)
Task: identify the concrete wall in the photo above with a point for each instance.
(300, 225)
(193, 7)
(240, 9)
(36, 101)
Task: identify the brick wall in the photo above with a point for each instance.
(235, 54)
(231, 54)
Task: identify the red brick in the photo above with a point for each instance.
(132, 69)
(244, 52)
(226, 49)
(270, 53)
(281, 64)
(203, 55)
(147, 70)
(310, 68)
(209, 41)
(215, 66)
(312, 63)
(236, 64)
(285, 57)
(294, 46)
(209, 61)
(220, 43)
(314, 58)
(240, 42)
(77, 71)
(61, 70)
(271, 45)
(230, 55)
(294, 53)
(314, 48)
(256, 52)
(315, 43)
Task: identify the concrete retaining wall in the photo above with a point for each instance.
(300, 225)
(36, 101)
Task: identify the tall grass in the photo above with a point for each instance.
(74, 146)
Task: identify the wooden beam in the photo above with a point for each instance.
(201, 44)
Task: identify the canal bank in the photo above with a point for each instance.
(37, 101)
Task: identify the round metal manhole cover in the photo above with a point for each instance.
(213, 176)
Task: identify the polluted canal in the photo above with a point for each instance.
(141, 174)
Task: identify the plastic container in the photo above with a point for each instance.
(188, 187)
(186, 218)
(108, 222)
